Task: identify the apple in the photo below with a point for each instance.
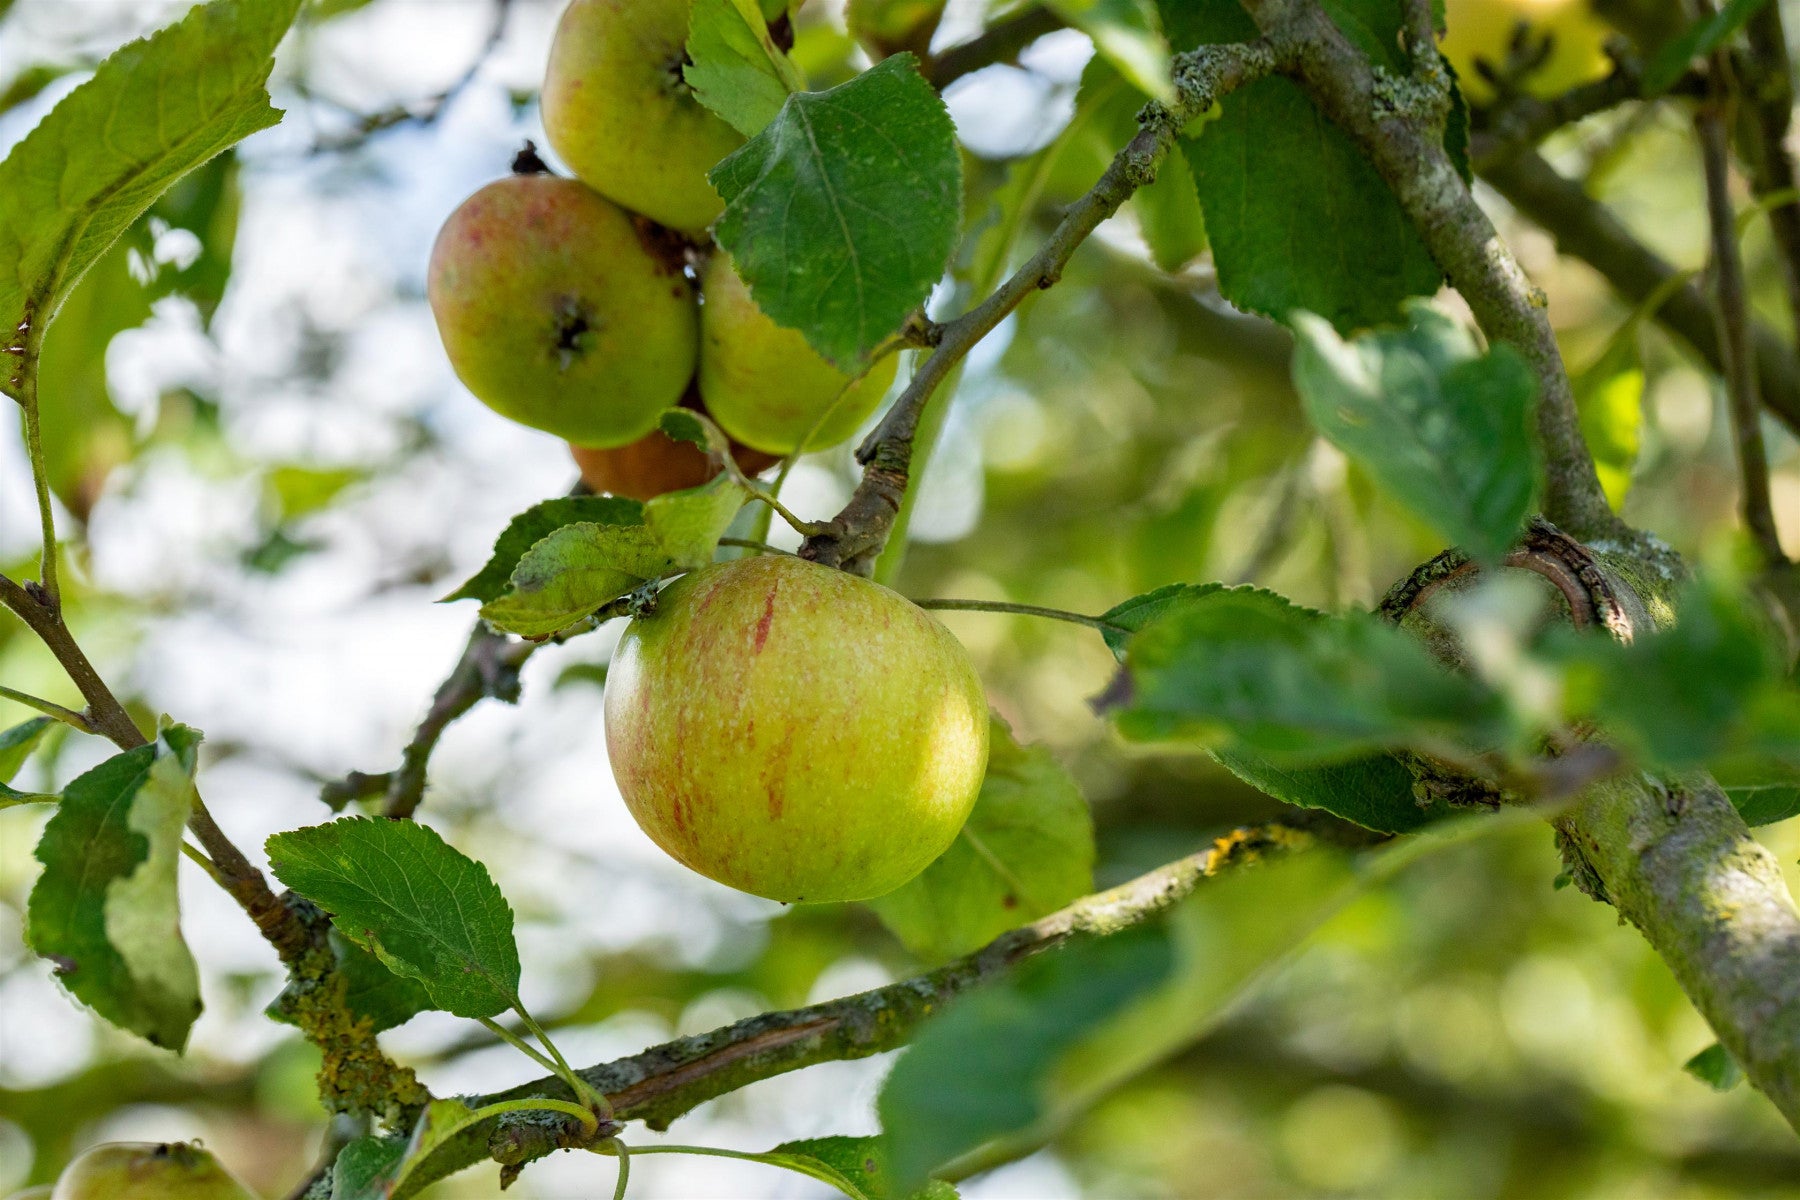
(657, 463)
(763, 383)
(1484, 29)
(618, 110)
(147, 1171)
(555, 314)
(795, 731)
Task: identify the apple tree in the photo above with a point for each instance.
(1359, 547)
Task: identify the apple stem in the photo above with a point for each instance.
(1024, 610)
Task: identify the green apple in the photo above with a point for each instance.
(763, 383)
(1484, 29)
(619, 112)
(794, 731)
(147, 1171)
(556, 314)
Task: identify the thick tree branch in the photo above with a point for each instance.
(852, 539)
(1399, 126)
(1585, 229)
(666, 1081)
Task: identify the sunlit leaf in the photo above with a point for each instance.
(733, 65)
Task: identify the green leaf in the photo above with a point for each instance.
(1128, 35)
(1375, 792)
(154, 110)
(855, 1166)
(371, 991)
(1026, 850)
(1609, 395)
(105, 910)
(366, 1168)
(1443, 429)
(979, 1070)
(1296, 216)
(17, 743)
(85, 436)
(1019, 1059)
(734, 67)
(441, 1121)
(1764, 790)
(427, 911)
(1702, 37)
(1715, 1067)
(842, 214)
(685, 425)
(1244, 670)
(573, 572)
(1169, 215)
(533, 526)
(1132, 615)
(687, 525)
(1681, 695)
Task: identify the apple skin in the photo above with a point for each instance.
(147, 1171)
(763, 383)
(656, 464)
(556, 315)
(1484, 29)
(617, 110)
(795, 731)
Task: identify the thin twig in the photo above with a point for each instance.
(1587, 230)
(1000, 42)
(1767, 92)
(67, 716)
(854, 537)
(1733, 314)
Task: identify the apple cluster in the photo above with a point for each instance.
(585, 307)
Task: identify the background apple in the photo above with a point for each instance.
(656, 463)
(619, 112)
(763, 383)
(1484, 29)
(555, 314)
(148, 1171)
(795, 731)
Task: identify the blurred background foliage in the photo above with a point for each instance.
(267, 475)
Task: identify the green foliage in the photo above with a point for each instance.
(1298, 218)
(1700, 38)
(842, 214)
(734, 67)
(1375, 792)
(855, 1166)
(687, 525)
(105, 909)
(1708, 684)
(1609, 395)
(1715, 1067)
(533, 526)
(426, 910)
(365, 1169)
(1126, 618)
(1444, 429)
(1168, 208)
(371, 991)
(17, 743)
(1026, 850)
(1245, 670)
(154, 110)
(980, 1071)
(1764, 789)
(85, 436)
(1128, 35)
(1020, 1059)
